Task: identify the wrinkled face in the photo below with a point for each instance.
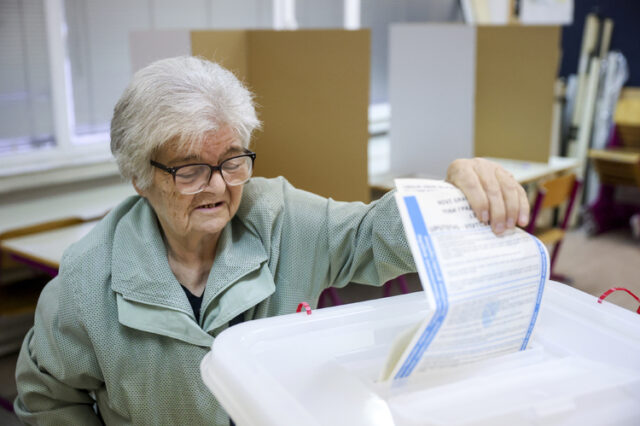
(205, 213)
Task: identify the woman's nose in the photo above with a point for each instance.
(216, 182)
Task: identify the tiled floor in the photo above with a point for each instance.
(596, 264)
(593, 264)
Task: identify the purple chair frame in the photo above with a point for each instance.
(537, 207)
(330, 293)
(402, 283)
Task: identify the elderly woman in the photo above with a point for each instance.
(120, 332)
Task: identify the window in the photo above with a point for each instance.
(66, 63)
(98, 44)
(25, 97)
(319, 14)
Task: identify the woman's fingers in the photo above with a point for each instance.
(510, 196)
(493, 188)
(523, 215)
(493, 194)
(462, 175)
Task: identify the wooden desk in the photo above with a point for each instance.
(523, 171)
(43, 250)
(617, 166)
(29, 216)
(36, 231)
(528, 172)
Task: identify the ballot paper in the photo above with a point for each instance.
(483, 290)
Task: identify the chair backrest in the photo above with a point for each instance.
(557, 191)
(553, 193)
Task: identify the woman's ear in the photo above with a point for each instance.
(138, 190)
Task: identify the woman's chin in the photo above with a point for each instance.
(211, 226)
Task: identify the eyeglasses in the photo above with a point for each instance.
(193, 178)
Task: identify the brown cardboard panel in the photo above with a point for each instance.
(628, 107)
(312, 88)
(228, 48)
(312, 92)
(516, 67)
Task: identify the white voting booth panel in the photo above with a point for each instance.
(582, 367)
(458, 91)
(431, 87)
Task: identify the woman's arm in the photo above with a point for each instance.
(366, 243)
(56, 368)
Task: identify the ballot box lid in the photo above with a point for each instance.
(582, 366)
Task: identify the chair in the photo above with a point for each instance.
(617, 166)
(552, 194)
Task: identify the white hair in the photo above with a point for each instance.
(183, 100)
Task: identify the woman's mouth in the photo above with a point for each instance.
(209, 206)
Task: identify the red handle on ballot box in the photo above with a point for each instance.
(306, 307)
(614, 289)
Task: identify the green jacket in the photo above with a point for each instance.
(116, 329)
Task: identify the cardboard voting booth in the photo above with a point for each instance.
(312, 93)
(581, 367)
(458, 91)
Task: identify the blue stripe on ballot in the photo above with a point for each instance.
(543, 262)
(436, 281)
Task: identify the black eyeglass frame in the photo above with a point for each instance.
(173, 170)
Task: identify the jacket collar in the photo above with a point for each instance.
(141, 273)
(139, 268)
(240, 297)
(153, 319)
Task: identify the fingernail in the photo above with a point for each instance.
(485, 216)
(500, 228)
(524, 218)
(510, 223)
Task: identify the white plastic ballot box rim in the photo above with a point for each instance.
(331, 383)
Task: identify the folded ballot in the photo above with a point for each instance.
(484, 290)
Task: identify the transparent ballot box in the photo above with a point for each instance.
(582, 366)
